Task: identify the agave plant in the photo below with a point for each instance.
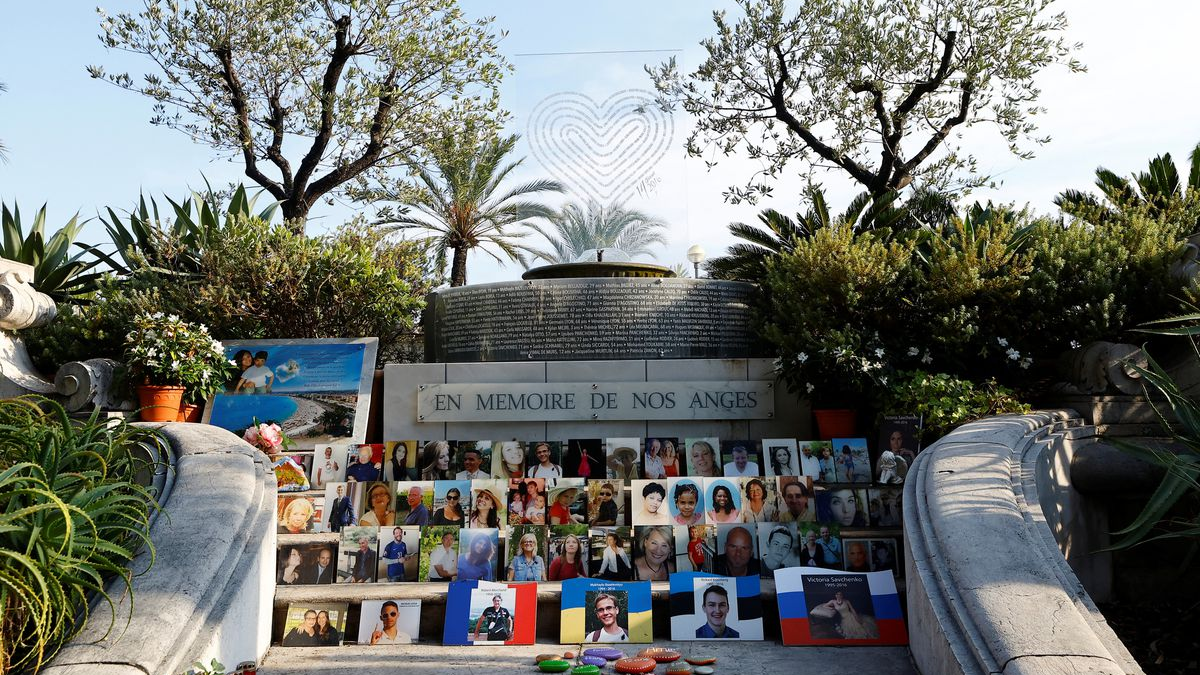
(55, 273)
(153, 240)
(1156, 190)
(72, 515)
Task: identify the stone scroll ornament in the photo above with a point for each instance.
(1102, 368)
(21, 306)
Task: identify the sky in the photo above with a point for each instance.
(80, 145)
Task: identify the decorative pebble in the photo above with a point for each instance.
(568, 655)
(660, 654)
(608, 653)
(586, 670)
(701, 660)
(703, 670)
(679, 669)
(544, 657)
(593, 660)
(635, 664)
(554, 666)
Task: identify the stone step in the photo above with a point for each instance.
(740, 657)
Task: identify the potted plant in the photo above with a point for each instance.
(169, 359)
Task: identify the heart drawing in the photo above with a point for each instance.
(604, 150)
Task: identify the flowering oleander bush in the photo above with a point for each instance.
(163, 349)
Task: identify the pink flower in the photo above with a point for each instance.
(251, 436)
(271, 435)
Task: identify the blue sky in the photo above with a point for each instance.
(79, 145)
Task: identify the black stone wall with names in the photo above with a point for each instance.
(591, 318)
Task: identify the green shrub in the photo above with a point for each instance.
(71, 517)
(945, 402)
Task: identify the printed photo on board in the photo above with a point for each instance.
(544, 460)
(851, 460)
(741, 458)
(610, 554)
(649, 507)
(478, 552)
(527, 553)
(329, 465)
(399, 622)
(400, 460)
(568, 501)
(724, 499)
(474, 460)
(736, 546)
(508, 459)
(782, 457)
(799, 506)
(399, 549)
(760, 500)
(842, 506)
(653, 552)
(885, 506)
(686, 501)
(777, 547)
(695, 548)
(451, 502)
(435, 461)
(702, 458)
(661, 459)
(314, 625)
(584, 458)
(568, 552)
(305, 564)
(358, 555)
(622, 459)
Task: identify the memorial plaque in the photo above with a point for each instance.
(596, 401)
(591, 318)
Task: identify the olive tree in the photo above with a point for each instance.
(310, 94)
(880, 90)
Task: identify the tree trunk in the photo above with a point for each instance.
(295, 213)
(458, 269)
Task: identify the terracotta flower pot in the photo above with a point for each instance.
(836, 423)
(159, 403)
(190, 412)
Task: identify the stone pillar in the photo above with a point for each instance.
(21, 306)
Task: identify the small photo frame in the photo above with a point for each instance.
(364, 462)
(568, 501)
(797, 500)
(451, 502)
(611, 554)
(569, 546)
(484, 612)
(777, 547)
(703, 458)
(831, 607)
(439, 553)
(508, 459)
(760, 499)
(527, 501)
(856, 555)
(885, 506)
(297, 514)
(329, 465)
(436, 461)
(473, 461)
(662, 458)
(526, 556)
(649, 502)
(819, 546)
(606, 503)
(709, 607)
(781, 457)
(885, 557)
(723, 497)
(851, 460)
(843, 506)
(543, 459)
(737, 551)
(901, 435)
(343, 502)
(358, 562)
(314, 625)
(399, 553)
(306, 564)
(741, 459)
(584, 458)
(414, 502)
(400, 460)
(478, 554)
(378, 504)
(653, 552)
(685, 501)
(695, 548)
(826, 462)
(489, 508)
(602, 611)
(622, 458)
(808, 455)
(389, 622)
(493, 616)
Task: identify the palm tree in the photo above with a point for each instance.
(1157, 190)
(461, 204)
(577, 228)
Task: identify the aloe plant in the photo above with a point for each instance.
(72, 515)
(55, 272)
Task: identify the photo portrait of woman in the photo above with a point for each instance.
(724, 501)
(781, 456)
(399, 456)
(289, 567)
(584, 458)
(379, 511)
(477, 555)
(569, 560)
(435, 461)
(614, 559)
(528, 563)
(454, 507)
(844, 507)
(760, 503)
(327, 634)
(296, 515)
(702, 457)
(686, 505)
(653, 553)
(648, 502)
(508, 459)
(672, 463)
(485, 511)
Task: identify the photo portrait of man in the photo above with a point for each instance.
(608, 612)
(496, 622)
(737, 558)
(418, 513)
(472, 460)
(321, 570)
(364, 468)
(796, 503)
(443, 559)
(386, 631)
(857, 559)
(714, 604)
(362, 565)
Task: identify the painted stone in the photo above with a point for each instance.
(554, 666)
(609, 653)
(635, 664)
(660, 654)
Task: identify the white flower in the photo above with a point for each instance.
(802, 357)
(1026, 362)
(883, 380)
(926, 358)
(913, 351)
(1002, 341)
(879, 353)
(809, 387)
(1074, 344)
(1013, 354)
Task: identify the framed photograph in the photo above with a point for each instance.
(489, 508)
(478, 554)
(527, 501)
(399, 553)
(439, 553)
(901, 435)
(885, 506)
(604, 611)
(723, 497)
(400, 460)
(364, 462)
(760, 499)
(649, 502)
(809, 455)
(781, 457)
(623, 459)
(778, 547)
(414, 502)
(329, 465)
(737, 551)
(568, 501)
(885, 557)
(741, 459)
(314, 625)
(343, 503)
(662, 458)
(474, 460)
(296, 514)
(851, 460)
(584, 458)
(451, 502)
(830, 607)
(842, 506)
(685, 501)
(358, 562)
(378, 504)
(819, 546)
(437, 461)
(653, 552)
(709, 607)
(610, 554)
(300, 564)
(703, 459)
(489, 613)
(318, 391)
(695, 548)
(871, 555)
(526, 555)
(544, 460)
(508, 459)
(797, 501)
(398, 622)
(606, 503)
(568, 552)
